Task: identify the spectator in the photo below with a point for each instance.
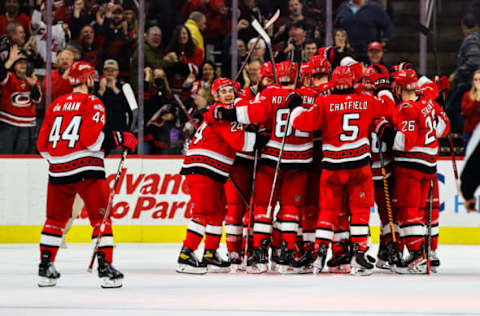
(251, 74)
(13, 15)
(470, 177)
(164, 132)
(130, 15)
(60, 83)
(60, 32)
(20, 96)
(196, 24)
(340, 38)
(157, 92)
(248, 12)
(309, 49)
(259, 50)
(92, 46)
(471, 108)
(468, 60)
(205, 78)
(289, 49)
(114, 29)
(17, 36)
(241, 49)
(184, 48)
(82, 15)
(153, 55)
(295, 16)
(365, 21)
(375, 54)
(109, 90)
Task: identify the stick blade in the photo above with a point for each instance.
(132, 103)
(256, 25)
(273, 19)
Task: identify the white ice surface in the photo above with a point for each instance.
(152, 287)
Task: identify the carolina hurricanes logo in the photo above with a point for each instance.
(21, 99)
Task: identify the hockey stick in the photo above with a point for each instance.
(109, 208)
(190, 119)
(250, 208)
(386, 191)
(427, 32)
(256, 25)
(269, 23)
(429, 228)
(280, 154)
(132, 103)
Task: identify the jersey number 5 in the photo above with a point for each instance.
(70, 133)
(347, 126)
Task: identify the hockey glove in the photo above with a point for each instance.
(442, 83)
(293, 100)
(261, 140)
(125, 140)
(221, 113)
(384, 130)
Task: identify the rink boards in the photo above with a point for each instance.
(152, 202)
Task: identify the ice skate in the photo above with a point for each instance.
(109, 276)
(383, 258)
(274, 259)
(286, 260)
(362, 263)
(321, 257)
(47, 274)
(414, 264)
(188, 262)
(215, 263)
(305, 263)
(340, 261)
(258, 262)
(236, 261)
(434, 261)
(388, 256)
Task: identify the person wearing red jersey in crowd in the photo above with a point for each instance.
(420, 122)
(207, 166)
(345, 119)
(20, 93)
(60, 83)
(73, 141)
(271, 108)
(471, 108)
(13, 15)
(372, 77)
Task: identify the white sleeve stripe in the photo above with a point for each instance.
(242, 115)
(249, 143)
(386, 93)
(399, 142)
(348, 61)
(441, 126)
(295, 113)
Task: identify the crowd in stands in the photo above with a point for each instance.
(186, 47)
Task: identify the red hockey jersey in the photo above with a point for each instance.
(213, 148)
(18, 108)
(345, 122)
(71, 138)
(419, 123)
(269, 107)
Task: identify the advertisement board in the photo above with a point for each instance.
(152, 202)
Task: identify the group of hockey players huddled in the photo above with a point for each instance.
(297, 165)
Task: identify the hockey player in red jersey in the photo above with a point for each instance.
(373, 76)
(420, 122)
(72, 139)
(207, 166)
(346, 180)
(271, 108)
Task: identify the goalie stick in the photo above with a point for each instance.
(269, 23)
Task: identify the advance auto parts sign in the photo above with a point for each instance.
(149, 191)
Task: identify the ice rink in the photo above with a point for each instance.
(152, 287)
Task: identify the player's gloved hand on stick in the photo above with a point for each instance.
(293, 100)
(125, 140)
(261, 140)
(384, 130)
(221, 113)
